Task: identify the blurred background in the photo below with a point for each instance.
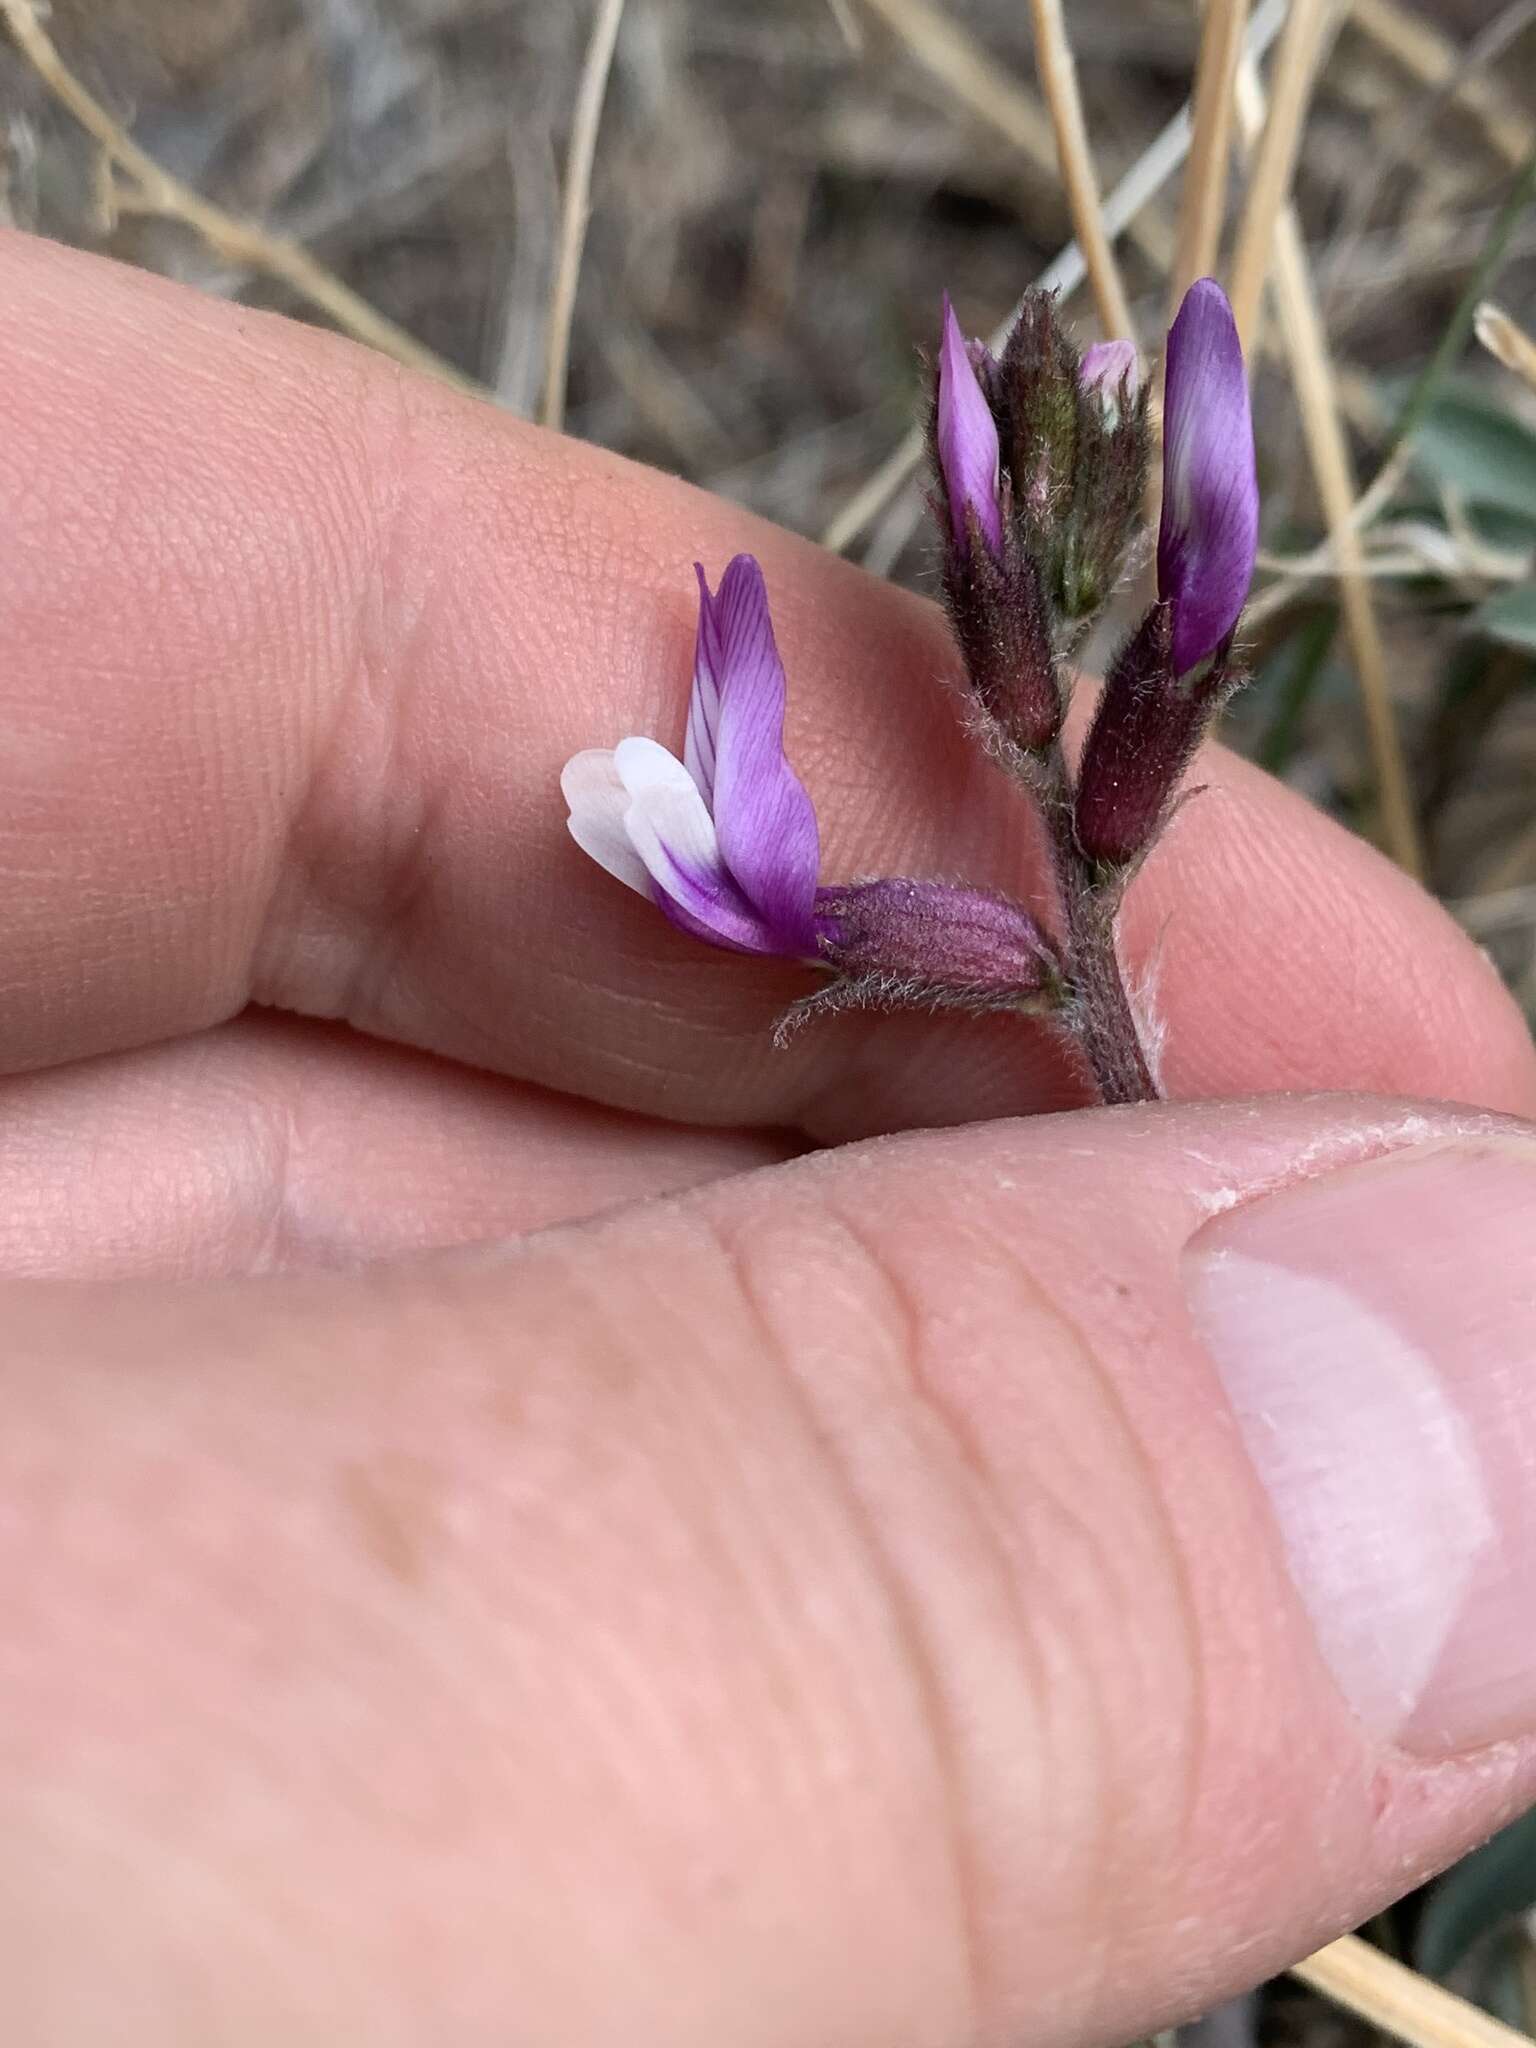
(779, 189)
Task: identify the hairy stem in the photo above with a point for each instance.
(1102, 1017)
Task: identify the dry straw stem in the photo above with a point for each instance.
(1205, 178)
(950, 54)
(150, 190)
(1328, 451)
(1430, 57)
(576, 205)
(1058, 81)
(847, 24)
(1141, 184)
(1399, 2001)
(1306, 31)
(1505, 340)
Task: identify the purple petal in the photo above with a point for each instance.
(1210, 525)
(704, 704)
(967, 438)
(668, 824)
(1110, 367)
(766, 822)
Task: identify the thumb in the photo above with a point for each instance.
(1025, 1582)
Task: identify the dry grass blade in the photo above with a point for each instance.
(951, 55)
(1328, 451)
(152, 190)
(1307, 29)
(1399, 2001)
(847, 24)
(576, 205)
(1058, 81)
(1505, 340)
(1205, 177)
(1430, 57)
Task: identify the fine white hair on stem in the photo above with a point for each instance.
(576, 205)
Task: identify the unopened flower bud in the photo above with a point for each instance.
(1041, 402)
(1076, 446)
(965, 439)
(1144, 733)
(1210, 525)
(993, 585)
(930, 943)
(1110, 373)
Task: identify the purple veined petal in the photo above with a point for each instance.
(1110, 366)
(765, 820)
(699, 741)
(967, 441)
(668, 824)
(1210, 526)
(598, 800)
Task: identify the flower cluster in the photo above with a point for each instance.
(725, 842)
(1041, 459)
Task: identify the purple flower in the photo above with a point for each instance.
(725, 840)
(1110, 369)
(1210, 525)
(967, 440)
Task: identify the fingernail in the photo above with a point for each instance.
(1375, 1332)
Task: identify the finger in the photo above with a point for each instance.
(887, 1598)
(295, 648)
(267, 1144)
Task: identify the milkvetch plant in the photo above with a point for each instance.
(1040, 459)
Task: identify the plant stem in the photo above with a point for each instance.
(1104, 1022)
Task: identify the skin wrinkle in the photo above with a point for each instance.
(736, 1243)
(1044, 1312)
(1041, 1311)
(907, 1321)
(1195, 1719)
(370, 688)
(727, 1250)
(794, 1749)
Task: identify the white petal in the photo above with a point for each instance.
(669, 825)
(598, 800)
(665, 804)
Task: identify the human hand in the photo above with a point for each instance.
(996, 1583)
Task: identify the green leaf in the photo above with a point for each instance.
(1509, 618)
(1480, 448)
(1498, 525)
(1286, 683)
(1483, 1891)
